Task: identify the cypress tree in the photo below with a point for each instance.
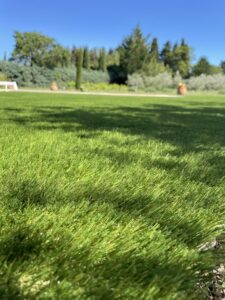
(185, 49)
(86, 63)
(175, 46)
(180, 61)
(166, 54)
(102, 60)
(154, 52)
(5, 56)
(73, 56)
(185, 58)
(79, 64)
(94, 60)
(175, 58)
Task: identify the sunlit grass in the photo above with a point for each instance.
(108, 197)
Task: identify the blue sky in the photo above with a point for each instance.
(105, 23)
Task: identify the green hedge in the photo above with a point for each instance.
(42, 77)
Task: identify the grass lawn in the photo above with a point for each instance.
(109, 197)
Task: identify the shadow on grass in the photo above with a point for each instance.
(114, 273)
(190, 128)
(21, 245)
(127, 271)
(209, 172)
(22, 194)
(184, 227)
(24, 244)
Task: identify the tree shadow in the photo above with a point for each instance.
(12, 109)
(212, 176)
(129, 270)
(189, 128)
(21, 245)
(24, 193)
(184, 227)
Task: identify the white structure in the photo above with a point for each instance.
(9, 86)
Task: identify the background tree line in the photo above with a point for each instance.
(136, 54)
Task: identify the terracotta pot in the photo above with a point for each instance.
(54, 86)
(182, 89)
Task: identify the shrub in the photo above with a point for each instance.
(26, 76)
(135, 82)
(3, 77)
(160, 81)
(177, 79)
(149, 83)
(153, 68)
(165, 81)
(70, 84)
(196, 83)
(95, 76)
(42, 77)
(206, 82)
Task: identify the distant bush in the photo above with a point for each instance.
(177, 79)
(159, 82)
(70, 85)
(95, 76)
(42, 77)
(136, 82)
(3, 77)
(207, 82)
(149, 83)
(166, 81)
(26, 76)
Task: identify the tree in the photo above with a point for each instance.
(216, 69)
(185, 58)
(222, 65)
(57, 57)
(86, 62)
(154, 68)
(113, 58)
(180, 61)
(94, 59)
(5, 56)
(134, 52)
(204, 67)
(102, 60)
(166, 54)
(31, 47)
(154, 52)
(79, 64)
(73, 55)
(177, 57)
(175, 46)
